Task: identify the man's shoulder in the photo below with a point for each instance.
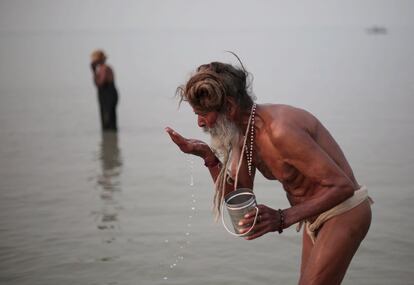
(285, 119)
(104, 67)
(281, 115)
(283, 111)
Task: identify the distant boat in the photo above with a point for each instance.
(377, 30)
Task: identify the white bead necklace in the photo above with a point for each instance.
(249, 152)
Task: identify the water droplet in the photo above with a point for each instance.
(165, 278)
(193, 208)
(188, 225)
(194, 200)
(191, 180)
(166, 241)
(187, 233)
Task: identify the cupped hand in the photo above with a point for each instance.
(190, 146)
(268, 220)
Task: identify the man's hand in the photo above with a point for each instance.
(268, 220)
(93, 67)
(190, 146)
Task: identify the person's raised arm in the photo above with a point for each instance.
(100, 74)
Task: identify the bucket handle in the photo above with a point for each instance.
(224, 223)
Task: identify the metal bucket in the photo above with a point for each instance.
(238, 203)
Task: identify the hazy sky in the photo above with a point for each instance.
(192, 14)
(153, 38)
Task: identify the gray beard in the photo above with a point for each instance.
(224, 136)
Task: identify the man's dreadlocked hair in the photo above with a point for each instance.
(207, 91)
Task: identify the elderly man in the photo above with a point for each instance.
(107, 94)
(286, 144)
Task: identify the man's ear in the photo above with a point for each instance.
(231, 108)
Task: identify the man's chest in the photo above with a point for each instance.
(269, 161)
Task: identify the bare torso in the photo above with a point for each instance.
(271, 162)
(290, 145)
(103, 75)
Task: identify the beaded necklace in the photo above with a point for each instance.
(249, 152)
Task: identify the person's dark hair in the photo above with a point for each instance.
(208, 89)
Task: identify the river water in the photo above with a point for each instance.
(81, 207)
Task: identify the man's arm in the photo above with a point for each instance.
(301, 151)
(202, 150)
(100, 75)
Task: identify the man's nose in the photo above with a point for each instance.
(201, 122)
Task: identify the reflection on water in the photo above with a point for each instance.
(109, 185)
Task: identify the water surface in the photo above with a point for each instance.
(81, 207)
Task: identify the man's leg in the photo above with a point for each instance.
(335, 245)
(307, 247)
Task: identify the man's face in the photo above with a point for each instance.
(224, 133)
(206, 119)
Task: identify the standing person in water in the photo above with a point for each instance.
(107, 93)
(283, 143)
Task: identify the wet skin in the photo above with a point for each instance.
(293, 147)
